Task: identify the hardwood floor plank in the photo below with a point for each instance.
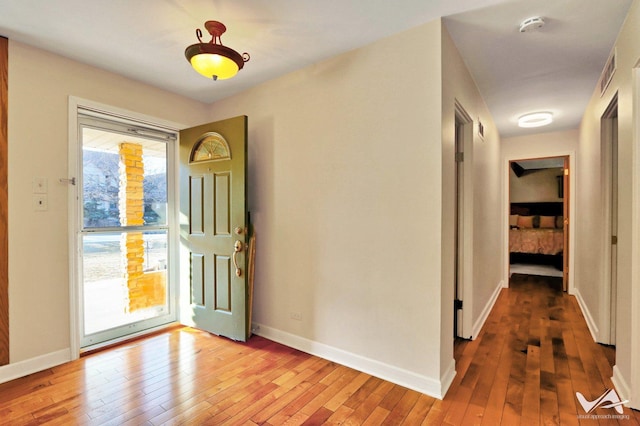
(294, 407)
(279, 401)
(364, 392)
(402, 408)
(393, 397)
(525, 366)
(339, 416)
(321, 399)
(347, 391)
(419, 410)
(319, 417)
(362, 409)
(377, 417)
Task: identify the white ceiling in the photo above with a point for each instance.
(554, 70)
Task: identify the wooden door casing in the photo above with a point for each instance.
(4, 211)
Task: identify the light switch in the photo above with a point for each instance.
(40, 185)
(40, 203)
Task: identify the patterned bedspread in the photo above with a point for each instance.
(538, 241)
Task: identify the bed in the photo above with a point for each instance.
(536, 234)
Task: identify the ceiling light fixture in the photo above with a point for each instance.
(535, 119)
(213, 60)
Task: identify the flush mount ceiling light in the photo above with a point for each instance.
(535, 119)
(531, 24)
(213, 60)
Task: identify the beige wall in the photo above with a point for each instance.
(590, 264)
(535, 186)
(481, 229)
(38, 145)
(344, 168)
(538, 145)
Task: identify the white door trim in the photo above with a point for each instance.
(572, 208)
(634, 325)
(465, 223)
(607, 322)
(73, 168)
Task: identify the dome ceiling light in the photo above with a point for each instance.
(212, 59)
(535, 119)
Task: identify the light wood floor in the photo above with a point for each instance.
(533, 354)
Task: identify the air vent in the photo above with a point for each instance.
(609, 71)
(480, 129)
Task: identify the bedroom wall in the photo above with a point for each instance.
(589, 265)
(482, 209)
(343, 172)
(538, 145)
(38, 146)
(539, 186)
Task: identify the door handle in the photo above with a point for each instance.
(237, 248)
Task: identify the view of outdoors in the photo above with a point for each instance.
(124, 237)
(106, 291)
(101, 187)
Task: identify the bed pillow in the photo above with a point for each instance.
(525, 222)
(513, 220)
(547, 221)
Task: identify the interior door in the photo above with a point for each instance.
(565, 226)
(458, 260)
(214, 225)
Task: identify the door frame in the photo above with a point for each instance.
(463, 247)
(609, 172)
(633, 386)
(4, 202)
(74, 169)
(532, 154)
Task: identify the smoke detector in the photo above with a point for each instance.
(531, 24)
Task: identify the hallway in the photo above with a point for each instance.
(532, 356)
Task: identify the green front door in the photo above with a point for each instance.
(214, 225)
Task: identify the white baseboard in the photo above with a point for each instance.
(33, 365)
(622, 387)
(477, 326)
(427, 385)
(447, 377)
(591, 324)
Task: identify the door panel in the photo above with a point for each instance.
(196, 208)
(197, 279)
(213, 198)
(223, 284)
(222, 204)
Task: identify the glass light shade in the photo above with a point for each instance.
(212, 65)
(536, 119)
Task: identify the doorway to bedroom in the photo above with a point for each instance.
(539, 217)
